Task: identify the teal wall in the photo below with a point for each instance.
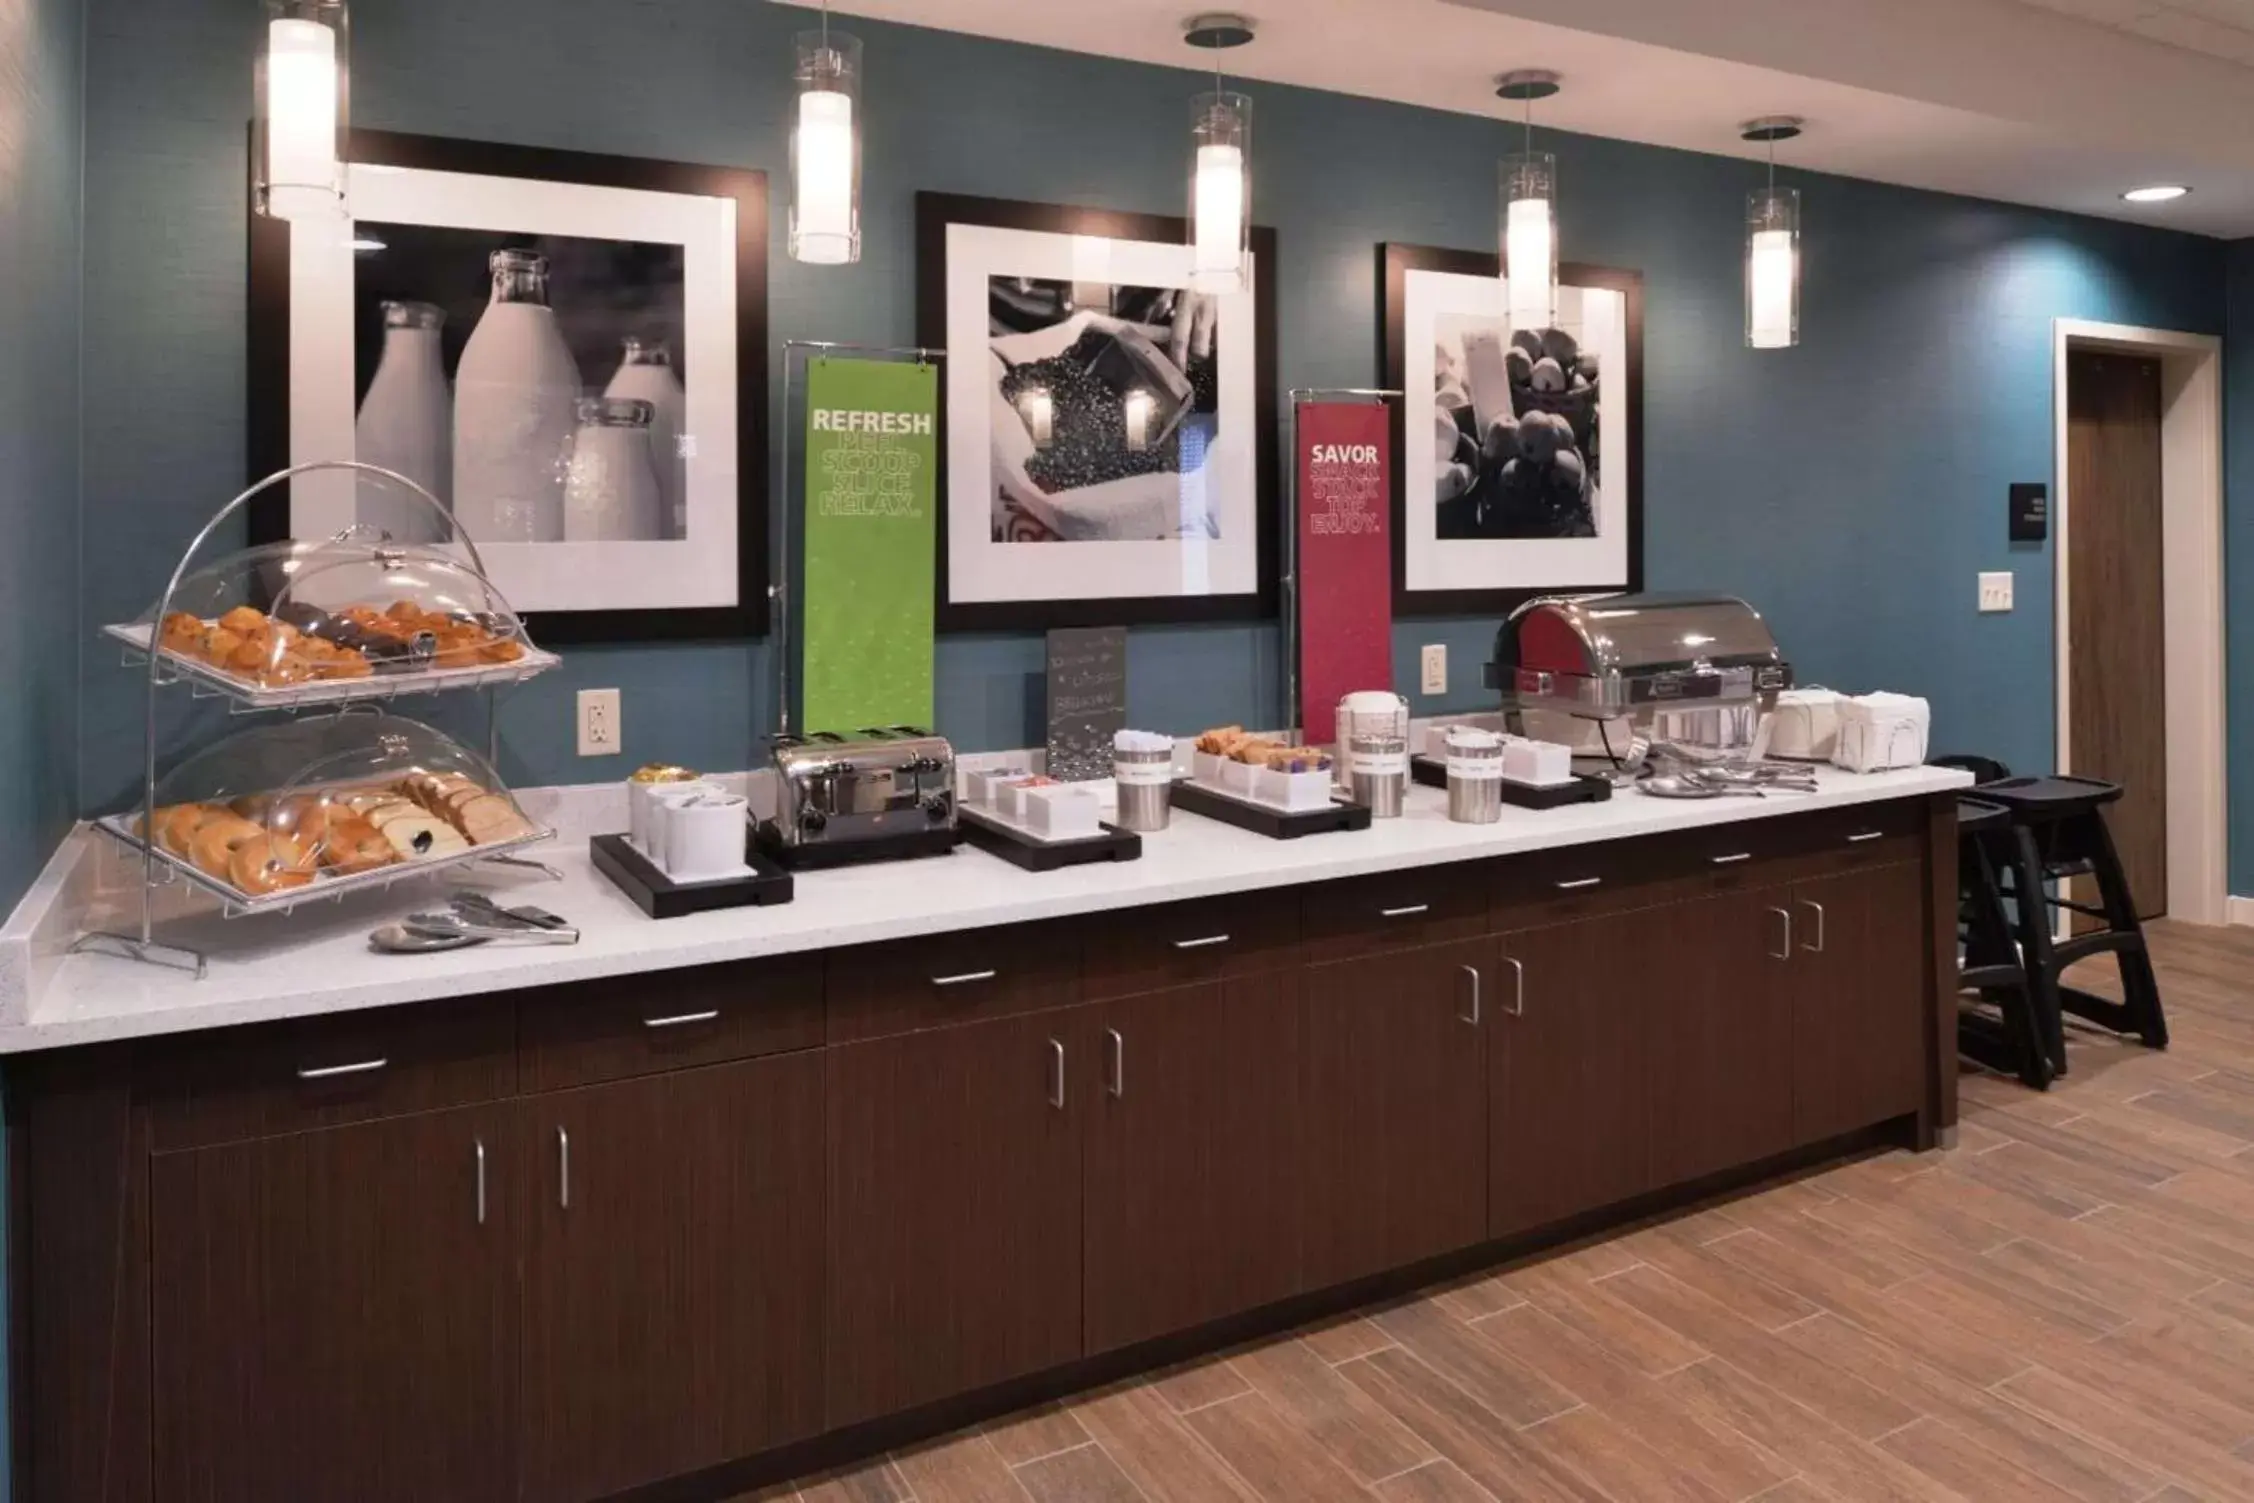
(1852, 488)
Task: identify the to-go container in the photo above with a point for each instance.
(1142, 765)
(1373, 744)
(1475, 776)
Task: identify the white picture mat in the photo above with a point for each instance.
(1598, 318)
(980, 570)
(700, 570)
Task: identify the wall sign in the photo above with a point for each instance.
(2030, 513)
(872, 439)
(1087, 699)
(1345, 597)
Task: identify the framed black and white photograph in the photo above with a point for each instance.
(568, 350)
(1109, 436)
(1519, 455)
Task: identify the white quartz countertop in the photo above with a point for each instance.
(317, 959)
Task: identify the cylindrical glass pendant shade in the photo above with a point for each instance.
(302, 116)
(1220, 191)
(1529, 239)
(1772, 268)
(825, 151)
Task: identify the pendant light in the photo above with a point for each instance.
(1772, 246)
(1220, 166)
(299, 125)
(825, 149)
(1529, 217)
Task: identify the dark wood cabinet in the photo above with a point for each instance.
(1570, 1060)
(1856, 988)
(1192, 1189)
(955, 1225)
(334, 1313)
(1395, 1152)
(673, 1273)
(1719, 1008)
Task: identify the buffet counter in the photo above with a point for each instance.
(703, 1204)
(317, 959)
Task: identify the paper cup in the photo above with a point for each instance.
(704, 837)
(657, 810)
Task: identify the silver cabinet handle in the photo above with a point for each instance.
(964, 979)
(480, 1145)
(1580, 882)
(563, 1169)
(1118, 1082)
(1732, 859)
(1818, 947)
(331, 1072)
(1517, 1008)
(1056, 1075)
(1201, 944)
(1858, 839)
(1409, 912)
(1786, 952)
(1473, 972)
(680, 1018)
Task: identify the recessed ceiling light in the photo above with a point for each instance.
(2158, 193)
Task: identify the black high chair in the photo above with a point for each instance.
(2011, 1041)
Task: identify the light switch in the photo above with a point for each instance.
(1995, 592)
(1436, 668)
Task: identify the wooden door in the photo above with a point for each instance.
(2116, 642)
(955, 1209)
(1570, 1065)
(335, 1314)
(1396, 1105)
(673, 1276)
(1858, 998)
(1192, 1198)
(1720, 1019)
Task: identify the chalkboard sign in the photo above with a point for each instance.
(1087, 700)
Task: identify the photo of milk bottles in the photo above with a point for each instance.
(406, 424)
(646, 374)
(515, 404)
(611, 490)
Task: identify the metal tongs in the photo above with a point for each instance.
(1675, 776)
(473, 919)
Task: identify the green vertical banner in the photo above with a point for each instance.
(871, 528)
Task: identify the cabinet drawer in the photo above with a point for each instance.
(1184, 944)
(320, 1072)
(668, 1020)
(946, 979)
(1364, 915)
(1601, 876)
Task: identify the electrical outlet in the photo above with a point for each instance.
(600, 733)
(1995, 592)
(1436, 668)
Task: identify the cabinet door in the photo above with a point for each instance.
(335, 1314)
(673, 1274)
(1396, 1107)
(1570, 1055)
(1720, 1014)
(1858, 992)
(1192, 1157)
(955, 1227)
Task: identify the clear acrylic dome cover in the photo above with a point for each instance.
(296, 613)
(284, 807)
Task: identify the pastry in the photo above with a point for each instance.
(243, 621)
(418, 835)
(354, 845)
(182, 632)
(269, 863)
(217, 839)
(491, 819)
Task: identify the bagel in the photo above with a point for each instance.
(217, 839)
(269, 863)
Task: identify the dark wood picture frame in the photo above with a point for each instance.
(936, 211)
(268, 436)
(1394, 263)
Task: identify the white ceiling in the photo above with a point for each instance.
(2060, 103)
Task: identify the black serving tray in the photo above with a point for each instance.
(1431, 772)
(1024, 848)
(1261, 819)
(806, 858)
(659, 896)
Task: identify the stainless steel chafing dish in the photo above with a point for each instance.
(1690, 669)
(879, 784)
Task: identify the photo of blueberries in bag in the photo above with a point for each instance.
(1516, 431)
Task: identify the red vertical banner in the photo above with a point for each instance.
(1345, 594)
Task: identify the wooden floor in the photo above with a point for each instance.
(2061, 1308)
